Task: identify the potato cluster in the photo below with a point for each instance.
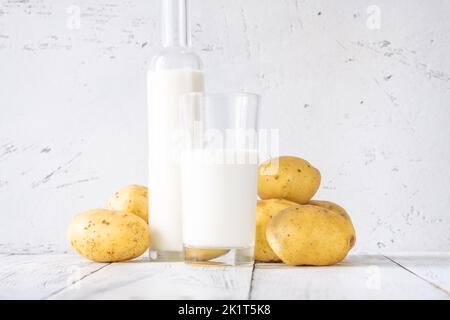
(292, 228)
(118, 233)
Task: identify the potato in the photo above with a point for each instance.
(193, 254)
(288, 178)
(265, 210)
(108, 236)
(338, 209)
(133, 199)
(309, 235)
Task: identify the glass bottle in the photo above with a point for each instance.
(175, 70)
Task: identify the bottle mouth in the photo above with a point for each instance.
(175, 23)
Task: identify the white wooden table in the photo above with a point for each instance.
(67, 276)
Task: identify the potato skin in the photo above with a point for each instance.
(309, 235)
(265, 211)
(108, 236)
(295, 180)
(338, 209)
(194, 254)
(133, 199)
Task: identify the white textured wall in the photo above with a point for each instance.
(368, 107)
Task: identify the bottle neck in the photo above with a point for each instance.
(175, 23)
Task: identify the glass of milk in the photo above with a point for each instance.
(219, 165)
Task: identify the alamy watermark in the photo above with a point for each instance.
(73, 21)
(373, 21)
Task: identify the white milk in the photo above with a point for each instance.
(165, 88)
(219, 200)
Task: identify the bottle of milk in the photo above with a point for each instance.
(176, 70)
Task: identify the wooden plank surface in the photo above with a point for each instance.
(39, 276)
(66, 276)
(358, 277)
(141, 279)
(432, 267)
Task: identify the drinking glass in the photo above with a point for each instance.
(219, 164)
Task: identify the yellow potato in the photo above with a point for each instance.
(108, 236)
(193, 254)
(265, 210)
(309, 235)
(289, 178)
(133, 199)
(338, 209)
